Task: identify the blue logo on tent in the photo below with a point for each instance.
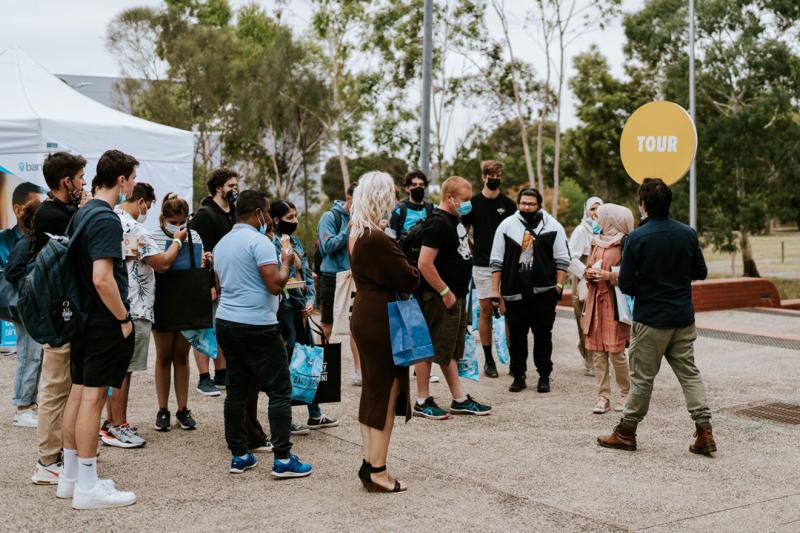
(22, 167)
(52, 145)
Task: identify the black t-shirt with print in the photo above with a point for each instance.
(486, 215)
(446, 233)
(101, 239)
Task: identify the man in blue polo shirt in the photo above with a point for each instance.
(248, 331)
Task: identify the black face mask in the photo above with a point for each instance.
(532, 219)
(417, 194)
(493, 184)
(286, 228)
(232, 196)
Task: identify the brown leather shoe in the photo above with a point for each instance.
(704, 443)
(623, 438)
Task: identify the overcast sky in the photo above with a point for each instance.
(67, 37)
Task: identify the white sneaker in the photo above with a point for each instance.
(47, 475)
(26, 419)
(356, 380)
(602, 406)
(621, 403)
(103, 495)
(434, 378)
(66, 487)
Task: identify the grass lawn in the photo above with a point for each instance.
(767, 254)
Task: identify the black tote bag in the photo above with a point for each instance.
(329, 389)
(183, 297)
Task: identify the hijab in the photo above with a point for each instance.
(587, 218)
(616, 222)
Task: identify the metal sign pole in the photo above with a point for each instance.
(693, 168)
(427, 61)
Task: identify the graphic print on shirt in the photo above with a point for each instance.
(526, 256)
(463, 242)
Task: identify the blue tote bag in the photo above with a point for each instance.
(468, 366)
(306, 370)
(411, 340)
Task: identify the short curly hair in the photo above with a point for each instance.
(218, 178)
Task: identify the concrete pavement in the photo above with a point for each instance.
(532, 465)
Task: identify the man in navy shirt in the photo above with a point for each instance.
(659, 263)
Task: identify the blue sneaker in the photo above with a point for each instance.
(245, 462)
(294, 468)
(470, 407)
(429, 409)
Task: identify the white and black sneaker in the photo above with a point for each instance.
(185, 419)
(324, 421)
(163, 422)
(299, 429)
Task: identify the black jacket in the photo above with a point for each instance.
(660, 261)
(212, 223)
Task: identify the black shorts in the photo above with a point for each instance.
(327, 291)
(100, 356)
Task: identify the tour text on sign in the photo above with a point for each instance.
(660, 143)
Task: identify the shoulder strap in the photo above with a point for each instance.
(337, 220)
(428, 208)
(403, 214)
(73, 238)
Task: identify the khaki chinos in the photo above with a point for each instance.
(648, 345)
(54, 387)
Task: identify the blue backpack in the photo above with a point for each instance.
(50, 295)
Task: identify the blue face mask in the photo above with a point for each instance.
(262, 228)
(465, 208)
(595, 227)
(120, 199)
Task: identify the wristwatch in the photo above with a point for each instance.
(126, 319)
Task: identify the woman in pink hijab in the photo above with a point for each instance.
(606, 337)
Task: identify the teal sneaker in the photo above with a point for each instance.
(294, 468)
(429, 409)
(245, 462)
(470, 407)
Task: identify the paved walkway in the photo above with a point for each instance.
(532, 465)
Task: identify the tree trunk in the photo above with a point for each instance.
(305, 199)
(749, 269)
(540, 133)
(337, 123)
(557, 154)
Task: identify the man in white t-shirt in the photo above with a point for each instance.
(143, 259)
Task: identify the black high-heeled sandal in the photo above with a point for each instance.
(375, 487)
(363, 472)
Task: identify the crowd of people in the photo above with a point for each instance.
(243, 247)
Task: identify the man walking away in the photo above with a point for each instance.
(445, 263)
(212, 222)
(64, 175)
(101, 354)
(248, 330)
(530, 258)
(659, 263)
(489, 208)
(333, 232)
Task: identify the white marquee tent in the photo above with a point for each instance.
(40, 114)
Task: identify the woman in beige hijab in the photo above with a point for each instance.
(606, 337)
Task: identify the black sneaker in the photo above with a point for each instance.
(206, 387)
(544, 385)
(219, 381)
(518, 385)
(490, 369)
(162, 420)
(470, 407)
(324, 421)
(185, 419)
(429, 409)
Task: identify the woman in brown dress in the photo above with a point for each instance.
(381, 272)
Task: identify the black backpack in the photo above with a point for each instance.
(50, 295)
(411, 242)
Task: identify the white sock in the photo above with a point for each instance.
(421, 401)
(460, 400)
(70, 464)
(284, 461)
(87, 472)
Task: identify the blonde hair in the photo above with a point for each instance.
(454, 184)
(373, 199)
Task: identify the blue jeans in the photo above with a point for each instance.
(292, 327)
(29, 368)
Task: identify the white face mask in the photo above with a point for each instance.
(142, 216)
(173, 229)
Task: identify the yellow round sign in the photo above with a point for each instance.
(658, 141)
